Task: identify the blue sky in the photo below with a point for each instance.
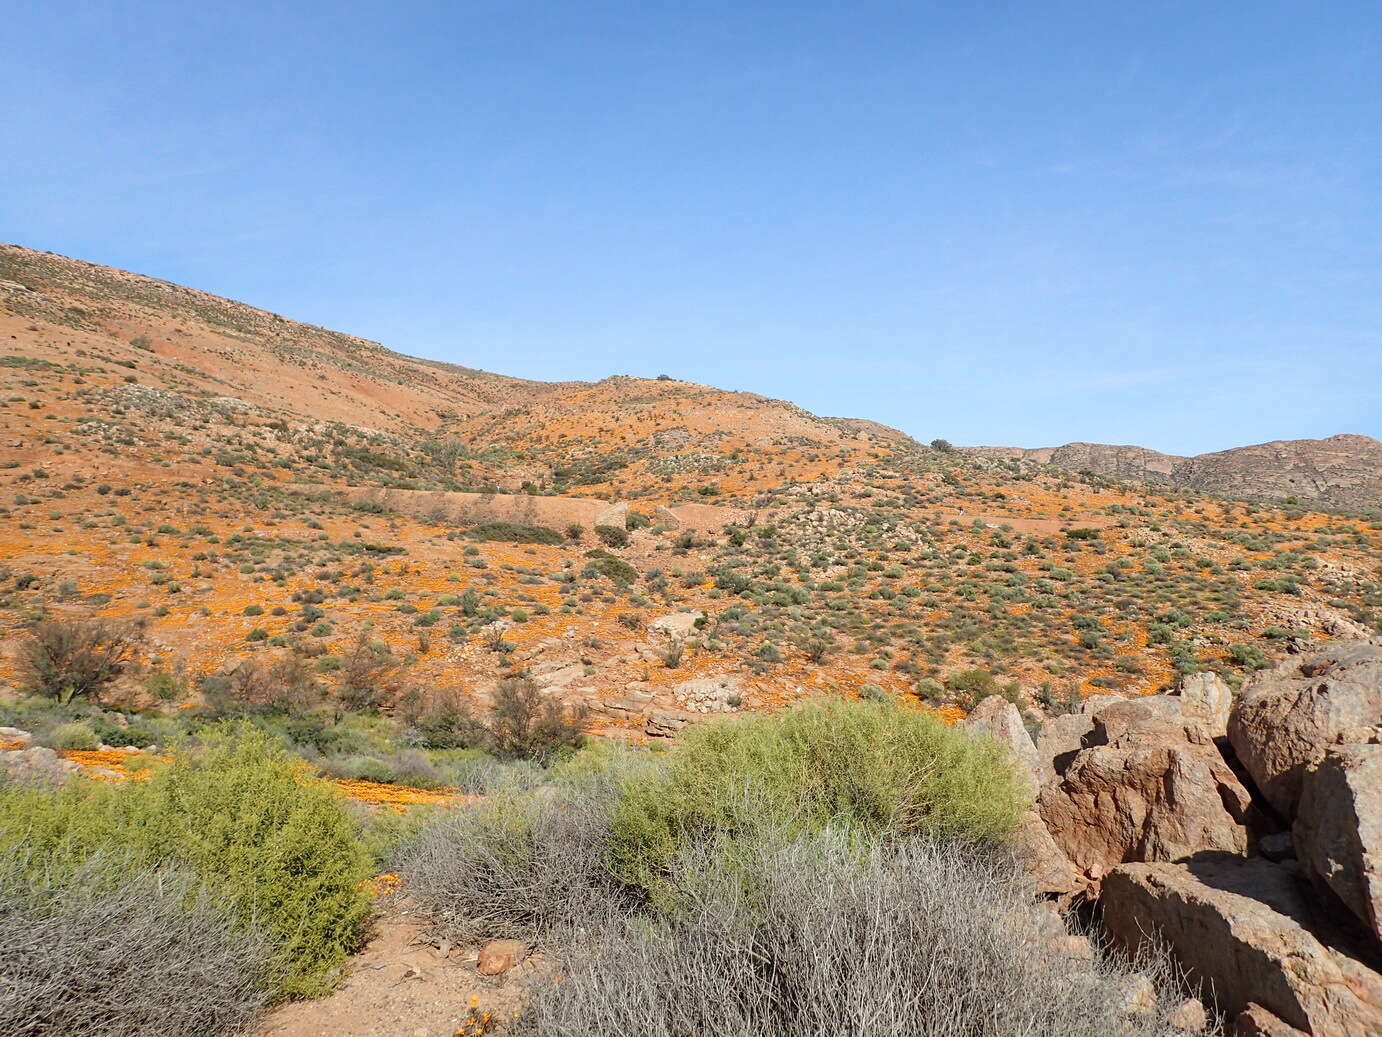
(1024, 223)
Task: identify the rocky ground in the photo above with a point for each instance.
(1245, 834)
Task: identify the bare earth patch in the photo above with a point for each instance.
(402, 985)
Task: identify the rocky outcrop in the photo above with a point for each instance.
(1289, 717)
(1243, 930)
(678, 626)
(1344, 470)
(1338, 829)
(1208, 699)
(997, 718)
(1157, 791)
(1048, 868)
(1270, 905)
(1134, 463)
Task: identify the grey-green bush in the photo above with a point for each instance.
(825, 934)
(880, 768)
(521, 863)
(147, 953)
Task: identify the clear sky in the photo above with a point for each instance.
(1019, 223)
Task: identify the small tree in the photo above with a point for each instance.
(285, 684)
(367, 674)
(612, 536)
(943, 445)
(76, 659)
(527, 725)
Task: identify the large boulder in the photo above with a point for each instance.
(1243, 931)
(1159, 791)
(678, 626)
(1115, 719)
(1049, 870)
(1059, 740)
(1287, 718)
(997, 718)
(1206, 697)
(1338, 829)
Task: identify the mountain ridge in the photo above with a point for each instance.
(1344, 469)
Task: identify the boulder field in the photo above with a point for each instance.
(1242, 834)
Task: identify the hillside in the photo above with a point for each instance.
(245, 488)
(1343, 470)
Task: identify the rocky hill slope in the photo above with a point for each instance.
(1343, 470)
(239, 487)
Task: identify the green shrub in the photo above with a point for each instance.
(880, 769)
(73, 736)
(514, 533)
(612, 536)
(276, 847)
(615, 569)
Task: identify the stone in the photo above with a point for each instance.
(709, 694)
(1190, 1016)
(1241, 929)
(1058, 740)
(1278, 846)
(1287, 718)
(557, 676)
(1153, 794)
(1256, 1021)
(498, 956)
(36, 763)
(676, 627)
(1047, 868)
(662, 723)
(1137, 996)
(997, 718)
(1206, 697)
(1114, 720)
(1338, 829)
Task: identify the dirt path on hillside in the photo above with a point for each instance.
(401, 985)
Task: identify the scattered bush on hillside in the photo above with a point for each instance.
(816, 935)
(514, 533)
(514, 865)
(367, 674)
(441, 718)
(68, 659)
(604, 564)
(526, 724)
(883, 769)
(280, 685)
(242, 816)
(612, 536)
(73, 736)
(123, 953)
(1082, 534)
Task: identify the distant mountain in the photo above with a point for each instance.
(1343, 470)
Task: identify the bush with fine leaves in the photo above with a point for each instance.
(823, 934)
(880, 768)
(123, 953)
(241, 816)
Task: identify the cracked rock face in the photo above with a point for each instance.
(1158, 791)
(1289, 717)
(1338, 829)
(1243, 928)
